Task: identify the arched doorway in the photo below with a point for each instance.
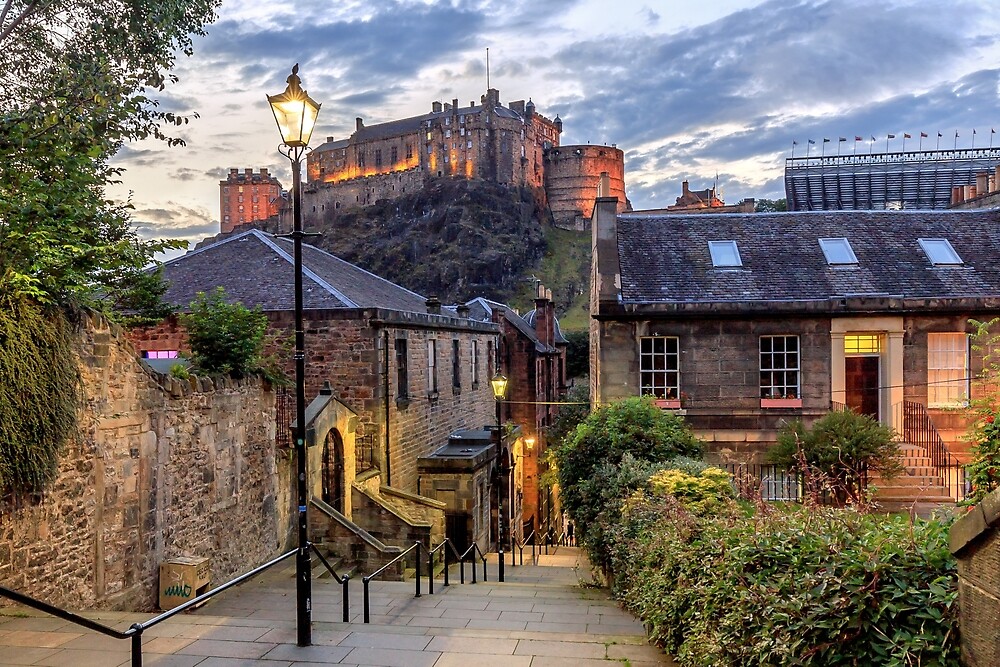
(333, 470)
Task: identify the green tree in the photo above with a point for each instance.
(634, 426)
(577, 354)
(78, 78)
(841, 446)
(771, 205)
(225, 338)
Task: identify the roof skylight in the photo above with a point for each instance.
(725, 254)
(939, 251)
(838, 251)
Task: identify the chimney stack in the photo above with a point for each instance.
(983, 182)
(436, 107)
(433, 305)
(956, 195)
(604, 185)
(462, 310)
(359, 124)
(454, 103)
(263, 172)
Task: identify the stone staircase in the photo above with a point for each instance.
(919, 487)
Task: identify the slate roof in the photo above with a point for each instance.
(257, 269)
(482, 309)
(665, 259)
(529, 317)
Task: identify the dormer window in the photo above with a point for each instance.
(725, 254)
(838, 251)
(940, 252)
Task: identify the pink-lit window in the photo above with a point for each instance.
(159, 354)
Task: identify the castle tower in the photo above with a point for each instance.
(573, 175)
(247, 197)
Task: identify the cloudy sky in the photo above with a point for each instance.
(687, 89)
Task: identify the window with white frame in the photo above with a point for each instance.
(659, 367)
(947, 369)
(432, 376)
(779, 367)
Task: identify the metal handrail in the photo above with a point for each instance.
(343, 581)
(430, 565)
(474, 548)
(135, 631)
(514, 542)
(916, 427)
(367, 578)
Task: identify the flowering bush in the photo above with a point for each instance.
(699, 493)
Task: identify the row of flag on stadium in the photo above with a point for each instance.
(871, 142)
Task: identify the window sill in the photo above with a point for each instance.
(668, 404)
(402, 402)
(433, 396)
(781, 402)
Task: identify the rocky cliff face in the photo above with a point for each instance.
(456, 239)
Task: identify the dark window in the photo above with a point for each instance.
(394, 152)
(402, 373)
(659, 370)
(456, 364)
(409, 151)
(378, 158)
(779, 367)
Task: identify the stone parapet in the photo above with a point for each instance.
(975, 542)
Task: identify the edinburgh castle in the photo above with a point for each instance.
(511, 145)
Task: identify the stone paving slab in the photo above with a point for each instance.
(539, 617)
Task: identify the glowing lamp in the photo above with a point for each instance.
(295, 112)
(499, 384)
(529, 443)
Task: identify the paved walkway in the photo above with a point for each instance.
(541, 615)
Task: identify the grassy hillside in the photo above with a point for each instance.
(565, 269)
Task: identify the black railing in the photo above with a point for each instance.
(134, 632)
(283, 417)
(775, 483)
(340, 580)
(364, 453)
(519, 545)
(915, 426)
(365, 580)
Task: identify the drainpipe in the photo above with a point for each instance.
(385, 385)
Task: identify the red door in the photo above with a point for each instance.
(861, 382)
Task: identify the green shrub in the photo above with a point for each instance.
(39, 389)
(634, 426)
(841, 446)
(699, 492)
(225, 338)
(808, 587)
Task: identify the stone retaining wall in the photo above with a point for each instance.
(975, 541)
(161, 468)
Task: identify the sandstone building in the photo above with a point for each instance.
(511, 145)
(247, 197)
(759, 319)
(393, 379)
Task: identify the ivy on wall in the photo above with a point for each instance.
(39, 384)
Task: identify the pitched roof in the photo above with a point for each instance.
(666, 259)
(482, 309)
(258, 269)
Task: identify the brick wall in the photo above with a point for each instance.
(162, 468)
